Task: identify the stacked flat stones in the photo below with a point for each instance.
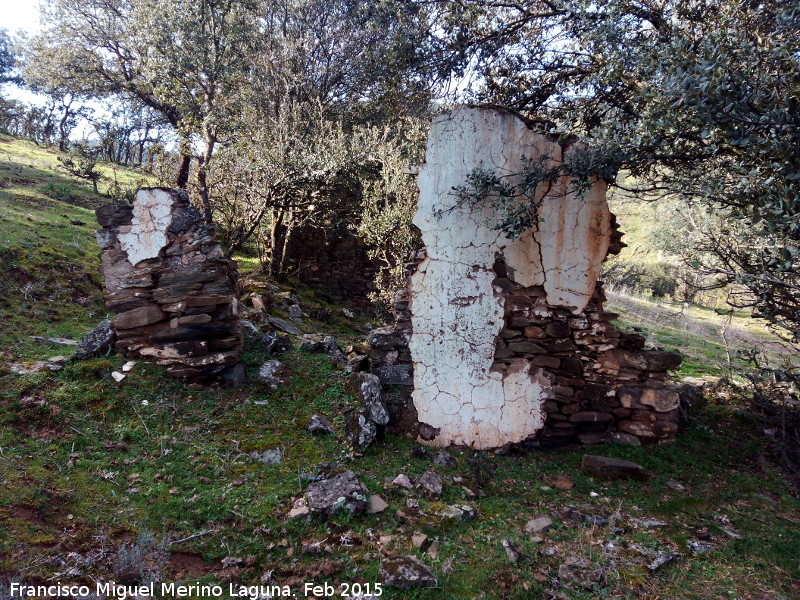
(173, 291)
(606, 386)
(337, 261)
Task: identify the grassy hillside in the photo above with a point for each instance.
(154, 478)
(638, 280)
(645, 267)
(48, 255)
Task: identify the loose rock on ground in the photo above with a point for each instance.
(405, 573)
(342, 492)
(612, 468)
(319, 425)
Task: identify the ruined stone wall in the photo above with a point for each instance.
(173, 292)
(336, 261)
(499, 341)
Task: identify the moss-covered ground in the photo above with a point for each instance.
(153, 478)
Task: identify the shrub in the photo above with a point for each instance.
(141, 561)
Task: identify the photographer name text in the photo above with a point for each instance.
(117, 591)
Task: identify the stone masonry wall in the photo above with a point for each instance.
(173, 292)
(501, 341)
(337, 262)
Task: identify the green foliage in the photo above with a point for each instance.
(514, 197)
(515, 205)
(659, 280)
(289, 174)
(62, 192)
(223, 72)
(388, 205)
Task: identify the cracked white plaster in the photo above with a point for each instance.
(147, 234)
(456, 313)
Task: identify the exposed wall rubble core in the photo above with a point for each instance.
(172, 289)
(507, 339)
(336, 261)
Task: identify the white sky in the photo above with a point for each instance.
(19, 14)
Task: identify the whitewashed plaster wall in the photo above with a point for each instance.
(147, 234)
(456, 312)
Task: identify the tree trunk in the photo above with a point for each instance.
(62, 126)
(202, 178)
(185, 149)
(275, 238)
(142, 142)
(62, 142)
(285, 249)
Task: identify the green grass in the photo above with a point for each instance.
(49, 281)
(98, 462)
(91, 468)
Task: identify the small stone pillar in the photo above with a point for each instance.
(172, 289)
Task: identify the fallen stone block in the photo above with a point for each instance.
(538, 525)
(315, 342)
(319, 425)
(270, 456)
(430, 485)
(284, 326)
(267, 373)
(512, 552)
(300, 510)
(376, 504)
(458, 512)
(359, 431)
(369, 392)
(612, 468)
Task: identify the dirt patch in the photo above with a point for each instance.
(188, 564)
(26, 513)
